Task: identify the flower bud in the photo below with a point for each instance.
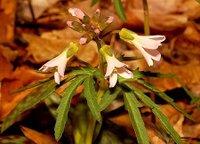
(76, 26)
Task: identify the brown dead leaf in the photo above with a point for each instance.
(172, 14)
(42, 49)
(7, 17)
(88, 53)
(9, 54)
(24, 13)
(189, 75)
(6, 67)
(175, 118)
(37, 137)
(22, 76)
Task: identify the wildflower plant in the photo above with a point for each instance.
(102, 85)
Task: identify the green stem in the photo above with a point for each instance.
(90, 131)
(146, 18)
(92, 122)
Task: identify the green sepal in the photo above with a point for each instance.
(127, 35)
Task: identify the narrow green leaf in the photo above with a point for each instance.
(94, 2)
(39, 82)
(14, 139)
(136, 118)
(145, 98)
(120, 10)
(31, 99)
(108, 98)
(90, 95)
(63, 108)
(168, 127)
(165, 97)
(156, 110)
(83, 71)
(160, 75)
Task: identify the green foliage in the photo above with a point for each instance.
(39, 82)
(15, 139)
(28, 102)
(120, 9)
(156, 110)
(131, 104)
(166, 98)
(160, 75)
(63, 109)
(90, 95)
(109, 97)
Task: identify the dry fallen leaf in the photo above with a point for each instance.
(189, 75)
(42, 49)
(22, 76)
(172, 14)
(9, 54)
(37, 137)
(7, 17)
(6, 67)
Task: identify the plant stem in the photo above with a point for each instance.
(146, 18)
(101, 90)
(90, 131)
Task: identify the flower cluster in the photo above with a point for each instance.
(92, 27)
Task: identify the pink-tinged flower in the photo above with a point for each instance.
(59, 63)
(83, 41)
(110, 19)
(114, 67)
(147, 45)
(69, 23)
(76, 12)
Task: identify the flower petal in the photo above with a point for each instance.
(155, 55)
(150, 42)
(112, 62)
(62, 66)
(109, 70)
(57, 77)
(125, 73)
(112, 80)
(144, 53)
(159, 38)
(116, 62)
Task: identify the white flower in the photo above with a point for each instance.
(114, 68)
(60, 62)
(146, 44)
